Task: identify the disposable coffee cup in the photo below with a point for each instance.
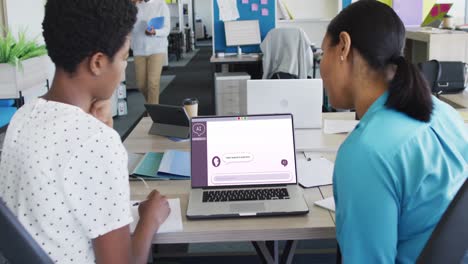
(447, 22)
(191, 107)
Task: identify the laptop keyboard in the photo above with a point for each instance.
(245, 195)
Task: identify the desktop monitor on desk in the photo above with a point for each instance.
(301, 97)
(242, 32)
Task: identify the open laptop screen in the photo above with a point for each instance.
(251, 150)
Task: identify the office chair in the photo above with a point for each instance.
(449, 240)
(16, 245)
(287, 54)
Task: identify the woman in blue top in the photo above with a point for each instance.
(397, 172)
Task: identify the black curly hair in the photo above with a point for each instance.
(76, 29)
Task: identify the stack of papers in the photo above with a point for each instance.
(339, 126)
(327, 203)
(170, 165)
(173, 222)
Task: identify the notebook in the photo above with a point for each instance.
(175, 163)
(156, 23)
(173, 222)
(170, 165)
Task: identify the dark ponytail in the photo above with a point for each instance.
(409, 92)
(378, 34)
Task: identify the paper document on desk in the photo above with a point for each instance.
(312, 140)
(314, 172)
(173, 222)
(327, 203)
(464, 115)
(339, 126)
(228, 10)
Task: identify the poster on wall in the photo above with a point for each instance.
(228, 10)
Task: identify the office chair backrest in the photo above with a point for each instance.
(16, 245)
(287, 50)
(449, 241)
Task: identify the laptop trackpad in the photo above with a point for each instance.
(247, 207)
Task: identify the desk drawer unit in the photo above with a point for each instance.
(231, 93)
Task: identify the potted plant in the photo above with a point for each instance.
(23, 64)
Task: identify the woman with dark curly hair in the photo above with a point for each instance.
(63, 170)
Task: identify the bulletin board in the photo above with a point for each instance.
(262, 10)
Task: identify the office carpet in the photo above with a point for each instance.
(204, 43)
(193, 80)
(186, 58)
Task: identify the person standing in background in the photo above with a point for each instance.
(150, 47)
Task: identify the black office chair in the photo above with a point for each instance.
(16, 245)
(449, 240)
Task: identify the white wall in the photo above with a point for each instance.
(318, 9)
(203, 10)
(28, 14)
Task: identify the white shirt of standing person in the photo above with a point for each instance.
(142, 44)
(64, 174)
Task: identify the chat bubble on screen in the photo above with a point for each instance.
(237, 157)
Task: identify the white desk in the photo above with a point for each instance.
(317, 224)
(425, 44)
(317, 141)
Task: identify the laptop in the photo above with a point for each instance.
(301, 97)
(244, 166)
(168, 120)
(436, 15)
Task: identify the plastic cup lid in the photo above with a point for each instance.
(190, 101)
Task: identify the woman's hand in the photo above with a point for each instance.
(151, 32)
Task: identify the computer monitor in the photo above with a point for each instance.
(242, 32)
(301, 97)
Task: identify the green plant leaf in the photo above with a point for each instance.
(14, 51)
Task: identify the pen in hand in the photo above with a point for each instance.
(137, 203)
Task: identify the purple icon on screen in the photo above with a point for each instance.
(284, 163)
(199, 129)
(216, 161)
